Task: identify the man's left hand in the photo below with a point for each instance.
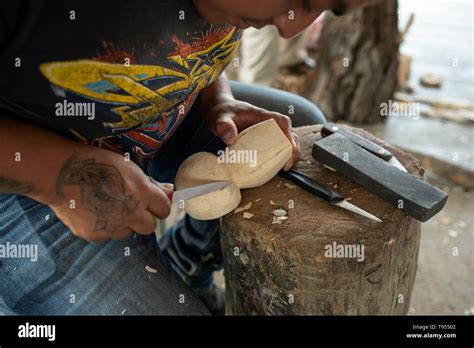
(227, 118)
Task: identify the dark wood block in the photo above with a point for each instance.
(411, 195)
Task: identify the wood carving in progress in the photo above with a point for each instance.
(271, 149)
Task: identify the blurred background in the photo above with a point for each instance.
(412, 55)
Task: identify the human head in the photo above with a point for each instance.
(289, 16)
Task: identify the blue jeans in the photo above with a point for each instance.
(72, 276)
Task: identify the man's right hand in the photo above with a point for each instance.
(97, 193)
(100, 196)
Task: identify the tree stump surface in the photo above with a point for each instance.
(282, 269)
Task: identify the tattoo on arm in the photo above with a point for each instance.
(13, 186)
(102, 191)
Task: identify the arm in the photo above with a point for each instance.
(96, 193)
(31, 159)
(226, 117)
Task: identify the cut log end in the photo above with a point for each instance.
(286, 268)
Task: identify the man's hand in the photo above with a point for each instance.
(228, 117)
(100, 196)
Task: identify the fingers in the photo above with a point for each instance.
(167, 187)
(246, 119)
(158, 202)
(252, 115)
(226, 129)
(285, 124)
(296, 152)
(143, 222)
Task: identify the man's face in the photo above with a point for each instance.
(258, 13)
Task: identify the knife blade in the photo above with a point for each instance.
(377, 150)
(196, 191)
(323, 192)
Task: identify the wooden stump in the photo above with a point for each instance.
(283, 269)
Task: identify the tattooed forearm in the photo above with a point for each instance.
(13, 186)
(102, 191)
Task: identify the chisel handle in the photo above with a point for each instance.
(311, 185)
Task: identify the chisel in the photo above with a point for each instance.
(377, 150)
(323, 192)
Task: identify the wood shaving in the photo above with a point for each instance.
(272, 203)
(278, 220)
(329, 168)
(258, 200)
(453, 233)
(279, 212)
(248, 215)
(245, 207)
(290, 186)
(150, 269)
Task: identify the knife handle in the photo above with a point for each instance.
(379, 151)
(311, 185)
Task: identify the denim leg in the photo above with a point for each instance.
(301, 111)
(69, 276)
(192, 246)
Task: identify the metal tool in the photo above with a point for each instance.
(377, 150)
(406, 192)
(323, 192)
(196, 191)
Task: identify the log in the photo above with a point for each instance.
(358, 65)
(286, 268)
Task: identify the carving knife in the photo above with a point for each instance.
(377, 150)
(323, 192)
(195, 191)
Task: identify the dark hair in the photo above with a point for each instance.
(339, 8)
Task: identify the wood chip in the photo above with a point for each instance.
(272, 203)
(329, 168)
(258, 200)
(453, 233)
(248, 215)
(290, 186)
(278, 220)
(279, 212)
(245, 207)
(151, 269)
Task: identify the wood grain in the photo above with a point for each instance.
(273, 269)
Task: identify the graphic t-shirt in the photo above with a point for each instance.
(117, 74)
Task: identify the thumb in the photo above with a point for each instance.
(226, 129)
